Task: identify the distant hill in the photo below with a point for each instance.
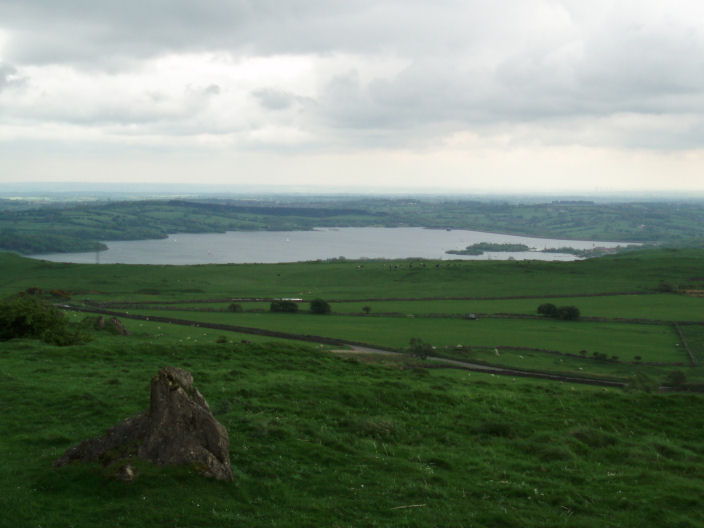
(31, 227)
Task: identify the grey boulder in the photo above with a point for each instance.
(177, 429)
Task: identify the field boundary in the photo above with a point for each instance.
(685, 344)
(370, 299)
(438, 315)
(450, 363)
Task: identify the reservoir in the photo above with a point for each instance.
(318, 244)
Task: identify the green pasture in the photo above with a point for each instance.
(664, 307)
(168, 334)
(582, 366)
(645, 272)
(319, 440)
(650, 342)
(694, 334)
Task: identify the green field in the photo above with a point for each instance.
(663, 307)
(323, 439)
(651, 342)
(642, 272)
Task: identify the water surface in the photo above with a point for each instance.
(319, 244)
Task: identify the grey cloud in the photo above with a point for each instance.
(9, 76)
(81, 31)
(273, 99)
(472, 63)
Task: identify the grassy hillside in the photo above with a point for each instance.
(331, 439)
(642, 272)
(318, 440)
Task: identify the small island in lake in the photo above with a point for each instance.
(481, 247)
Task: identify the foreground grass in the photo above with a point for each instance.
(317, 440)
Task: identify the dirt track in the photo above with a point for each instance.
(478, 367)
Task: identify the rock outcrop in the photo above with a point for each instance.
(114, 325)
(178, 428)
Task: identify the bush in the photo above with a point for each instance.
(30, 316)
(567, 313)
(547, 309)
(319, 306)
(283, 306)
(419, 349)
(234, 307)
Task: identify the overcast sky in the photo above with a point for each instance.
(471, 95)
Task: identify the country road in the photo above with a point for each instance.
(478, 367)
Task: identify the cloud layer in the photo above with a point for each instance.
(318, 76)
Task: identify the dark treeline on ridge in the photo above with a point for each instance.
(65, 227)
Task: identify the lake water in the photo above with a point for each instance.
(319, 244)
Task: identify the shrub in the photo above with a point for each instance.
(567, 313)
(283, 306)
(234, 307)
(419, 349)
(30, 316)
(547, 309)
(319, 306)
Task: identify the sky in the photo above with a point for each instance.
(538, 96)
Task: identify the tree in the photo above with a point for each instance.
(567, 313)
(234, 307)
(319, 306)
(366, 309)
(547, 309)
(283, 306)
